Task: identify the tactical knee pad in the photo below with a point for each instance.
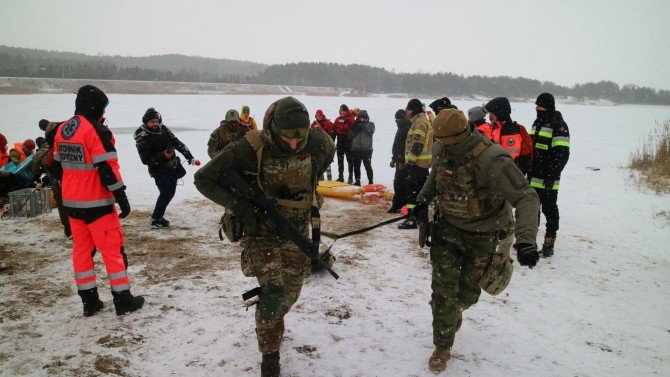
(271, 302)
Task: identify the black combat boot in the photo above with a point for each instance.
(351, 178)
(91, 301)
(340, 178)
(270, 365)
(124, 302)
(548, 247)
(408, 224)
(357, 183)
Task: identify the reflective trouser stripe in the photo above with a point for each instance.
(103, 157)
(88, 203)
(85, 286)
(115, 186)
(120, 287)
(539, 183)
(85, 274)
(118, 275)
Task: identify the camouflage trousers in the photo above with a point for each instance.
(459, 259)
(280, 268)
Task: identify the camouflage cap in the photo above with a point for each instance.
(290, 114)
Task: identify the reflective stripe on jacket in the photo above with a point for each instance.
(78, 148)
(419, 142)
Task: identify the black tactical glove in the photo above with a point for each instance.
(246, 212)
(392, 164)
(420, 212)
(122, 201)
(527, 254)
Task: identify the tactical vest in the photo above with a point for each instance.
(456, 187)
(229, 134)
(291, 181)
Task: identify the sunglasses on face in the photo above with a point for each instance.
(294, 133)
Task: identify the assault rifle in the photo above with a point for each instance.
(275, 221)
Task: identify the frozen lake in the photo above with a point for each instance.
(597, 308)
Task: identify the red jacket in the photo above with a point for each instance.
(343, 123)
(326, 125)
(90, 168)
(510, 136)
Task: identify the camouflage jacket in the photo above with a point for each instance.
(225, 134)
(496, 174)
(241, 157)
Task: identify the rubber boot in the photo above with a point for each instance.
(350, 180)
(91, 301)
(548, 247)
(270, 365)
(438, 360)
(125, 302)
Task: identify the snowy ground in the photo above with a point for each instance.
(599, 307)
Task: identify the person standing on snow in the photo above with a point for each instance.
(86, 163)
(246, 120)
(230, 129)
(156, 146)
(418, 155)
(342, 124)
(42, 162)
(323, 123)
(292, 155)
(552, 150)
(473, 183)
(398, 162)
(509, 134)
(361, 146)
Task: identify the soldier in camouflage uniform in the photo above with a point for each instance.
(228, 131)
(474, 183)
(292, 157)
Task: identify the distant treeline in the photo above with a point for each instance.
(19, 62)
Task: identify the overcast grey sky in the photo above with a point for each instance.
(566, 41)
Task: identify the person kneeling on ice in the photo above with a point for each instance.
(86, 163)
(474, 185)
(156, 145)
(281, 163)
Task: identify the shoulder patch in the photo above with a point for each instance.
(510, 142)
(69, 128)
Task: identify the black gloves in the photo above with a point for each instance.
(246, 212)
(122, 201)
(420, 212)
(527, 254)
(392, 164)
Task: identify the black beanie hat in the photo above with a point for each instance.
(90, 102)
(344, 107)
(290, 114)
(39, 141)
(547, 101)
(415, 105)
(150, 114)
(43, 124)
(500, 107)
(400, 114)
